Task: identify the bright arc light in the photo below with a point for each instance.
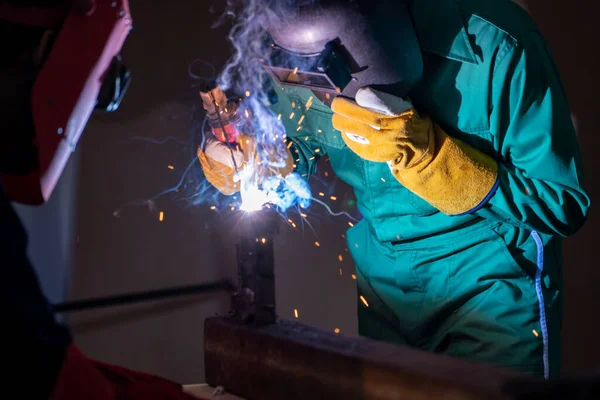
(279, 191)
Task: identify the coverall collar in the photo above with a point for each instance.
(441, 29)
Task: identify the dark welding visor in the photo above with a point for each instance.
(114, 86)
(328, 70)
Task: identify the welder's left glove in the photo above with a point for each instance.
(222, 162)
(446, 172)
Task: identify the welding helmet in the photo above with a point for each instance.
(340, 46)
(60, 62)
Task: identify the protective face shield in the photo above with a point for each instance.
(338, 46)
(62, 62)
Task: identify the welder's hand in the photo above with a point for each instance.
(449, 174)
(221, 162)
(385, 128)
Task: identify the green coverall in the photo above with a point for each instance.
(484, 285)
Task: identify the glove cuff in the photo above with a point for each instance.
(456, 179)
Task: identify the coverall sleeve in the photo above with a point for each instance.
(305, 157)
(305, 148)
(540, 182)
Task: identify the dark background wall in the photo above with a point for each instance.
(121, 248)
(569, 28)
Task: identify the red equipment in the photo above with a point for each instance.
(81, 71)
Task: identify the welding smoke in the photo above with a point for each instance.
(245, 76)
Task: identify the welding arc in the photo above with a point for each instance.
(130, 298)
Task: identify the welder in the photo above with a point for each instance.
(60, 60)
(450, 122)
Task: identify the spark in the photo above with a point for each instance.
(309, 103)
(333, 198)
(300, 120)
(290, 144)
(317, 244)
(247, 113)
(232, 208)
(247, 93)
(382, 180)
(290, 221)
(326, 174)
(353, 276)
(535, 333)
(317, 150)
(351, 224)
(306, 139)
(343, 236)
(303, 215)
(340, 272)
(340, 257)
(327, 96)
(320, 130)
(279, 117)
(321, 194)
(295, 71)
(300, 127)
(312, 158)
(161, 216)
(296, 312)
(293, 224)
(364, 301)
(263, 240)
(291, 115)
(293, 104)
(337, 330)
(213, 207)
(170, 167)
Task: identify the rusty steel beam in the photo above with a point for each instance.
(288, 360)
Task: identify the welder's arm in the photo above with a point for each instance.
(540, 182)
(306, 152)
(305, 149)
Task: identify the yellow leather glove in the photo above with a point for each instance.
(221, 162)
(446, 172)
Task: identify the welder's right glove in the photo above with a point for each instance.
(221, 162)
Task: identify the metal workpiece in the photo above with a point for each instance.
(254, 300)
(288, 360)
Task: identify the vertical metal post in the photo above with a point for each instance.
(254, 299)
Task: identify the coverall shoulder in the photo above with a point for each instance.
(486, 284)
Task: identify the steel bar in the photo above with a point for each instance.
(291, 361)
(123, 299)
